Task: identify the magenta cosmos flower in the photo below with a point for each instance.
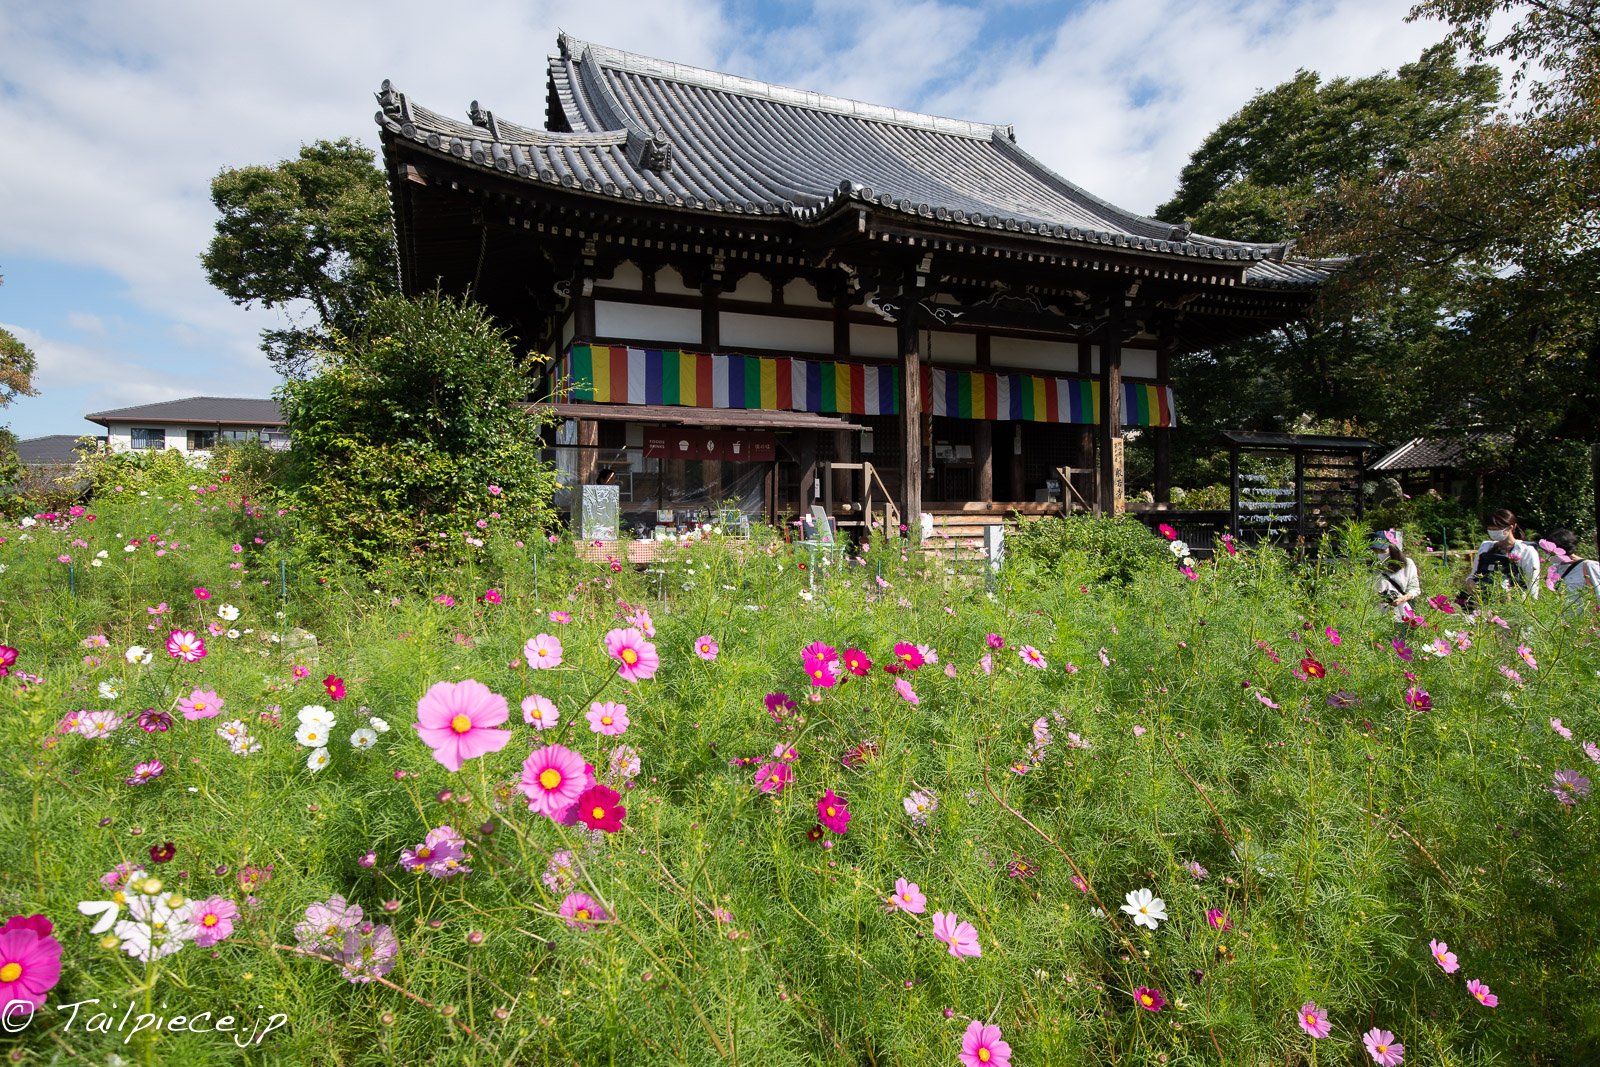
(1481, 992)
(857, 662)
(909, 655)
(581, 911)
(200, 704)
(30, 963)
(553, 778)
(148, 771)
(981, 1046)
(213, 918)
(1149, 999)
(1385, 1050)
(1313, 1020)
(186, 645)
(908, 897)
(609, 718)
(820, 672)
(995, 641)
(1443, 957)
(457, 720)
(832, 813)
(961, 937)
(543, 651)
(706, 647)
(599, 809)
(539, 712)
(636, 658)
(1031, 656)
(772, 777)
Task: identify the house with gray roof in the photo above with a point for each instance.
(194, 424)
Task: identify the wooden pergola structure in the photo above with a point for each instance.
(944, 307)
(1323, 483)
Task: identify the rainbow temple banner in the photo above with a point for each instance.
(618, 374)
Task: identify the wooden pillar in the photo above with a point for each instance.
(1233, 490)
(1086, 435)
(1018, 472)
(983, 460)
(583, 311)
(1111, 471)
(808, 470)
(910, 409)
(1162, 439)
(588, 450)
(1299, 493)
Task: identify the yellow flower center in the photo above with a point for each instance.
(1383, 1048)
(581, 913)
(1311, 1020)
(549, 778)
(1146, 999)
(460, 724)
(10, 972)
(605, 720)
(1144, 911)
(331, 929)
(830, 811)
(544, 652)
(629, 656)
(209, 920)
(983, 1055)
(598, 813)
(199, 705)
(424, 852)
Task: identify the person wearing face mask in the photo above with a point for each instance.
(1576, 577)
(1505, 560)
(1398, 582)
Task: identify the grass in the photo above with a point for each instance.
(1338, 841)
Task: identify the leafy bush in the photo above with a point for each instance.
(1249, 746)
(396, 438)
(1108, 548)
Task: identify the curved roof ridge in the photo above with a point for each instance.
(633, 63)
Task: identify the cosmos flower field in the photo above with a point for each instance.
(751, 805)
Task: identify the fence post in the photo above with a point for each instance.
(72, 578)
(283, 580)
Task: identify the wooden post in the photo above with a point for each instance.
(1299, 493)
(808, 469)
(583, 311)
(910, 408)
(983, 460)
(1233, 491)
(1111, 444)
(1018, 471)
(588, 450)
(1162, 439)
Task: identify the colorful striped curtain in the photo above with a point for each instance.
(615, 374)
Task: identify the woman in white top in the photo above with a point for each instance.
(1578, 578)
(1397, 576)
(1505, 560)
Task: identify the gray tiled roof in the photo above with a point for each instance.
(248, 411)
(630, 127)
(56, 448)
(1427, 453)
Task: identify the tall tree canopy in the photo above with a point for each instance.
(17, 364)
(313, 229)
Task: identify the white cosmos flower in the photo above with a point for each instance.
(316, 713)
(1179, 548)
(96, 563)
(137, 654)
(109, 691)
(317, 760)
(363, 739)
(130, 548)
(378, 725)
(233, 635)
(102, 554)
(227, 613)
(1146, 908)
(160, 926)
(28, 520)
(313, 734)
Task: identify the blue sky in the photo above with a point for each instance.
(117, 115)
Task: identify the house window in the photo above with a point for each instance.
(239, 437)
(200, 440)
(275, 439)
(144, 437)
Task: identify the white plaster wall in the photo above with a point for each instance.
(941, 347)
(1025, 353)
(770, 331)
(802, 293)
(669, 280)
(626, 276)
(874, 341)
(647, 322)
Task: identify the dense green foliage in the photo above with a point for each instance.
(312, 230)
(396, 436)
(1337, 840)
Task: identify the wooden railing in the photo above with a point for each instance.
(873, 492)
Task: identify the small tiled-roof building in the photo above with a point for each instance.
(54, 450)
(942, 304)
(194, 424)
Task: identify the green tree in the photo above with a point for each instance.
(1503, 217)
(313, 230)
(398, 438)
(17, 365)
(1265, 174)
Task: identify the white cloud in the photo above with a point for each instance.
(84, 322)
(98, 377)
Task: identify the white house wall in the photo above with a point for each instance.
(647, 322)
(770, 331)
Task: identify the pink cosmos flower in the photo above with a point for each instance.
(833, 813)
(857, 662)
(1400, 649)
(1570, 787)
(8, 655)
(1527, 656)
(909, 655)
(598, 808)
(949, 670)
(818, 650)
(1313, 1020)
(539, 712)
(493, 596)
(987, 663)
(995, 641)
(494, 490)
(1168, 532)
(202, 594)
(1481, 991)
(820, 672)
(553, 778)
(1138, 731)
(981, 1046)
(908, 897)
(213, 918)
(1566, 734)
(543, 651)
(30, 963)
(186, 645)
(1198, 872)
(706, 647)
(1149, 999)
(1444, 957)
(636, 658)
(458, 719)
(1079, 884)
(1592, 750)
(1419, 699)
(1333, 636)
(582, 911)
(148, 771)
(1384, 1049)
(97, 724)
(1218, 919)
(961, 937)
(200, 704)
(609, 718)
(773, 776)
(1105, 658)
(560, 617)
(1031, 656)
(903, 687)
(1266, 700)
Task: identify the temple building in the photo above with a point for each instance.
(742, 294)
